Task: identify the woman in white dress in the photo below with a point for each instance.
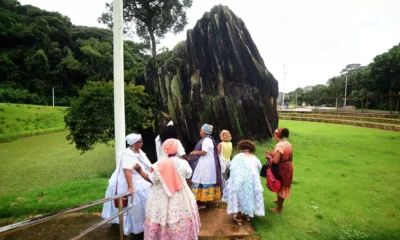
(243, 190)
(204, 160)
(125, 179)
(171, 210)
(168, 132)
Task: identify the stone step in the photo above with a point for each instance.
(373, 115)
(361, 118)
(217, 224)
(217, 204)
(345, 122)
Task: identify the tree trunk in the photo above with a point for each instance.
(153, 42)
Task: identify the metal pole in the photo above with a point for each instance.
(283, 86)
(345, 92)
(119, 102)
(390, 100)
(296, 99)
(362, 105)
(121, 220)
(337, 107)
(53, 96)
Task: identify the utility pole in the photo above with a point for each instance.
(296, 99)
(283, 85)
(53, 95)
(345, 92)
(119, 101)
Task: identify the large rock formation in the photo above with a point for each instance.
(219, 78)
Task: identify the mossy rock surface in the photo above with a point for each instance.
(222, 80)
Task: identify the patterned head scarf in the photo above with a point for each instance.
(207, 128)
(170, 146)
(278, 133)
(132, 138)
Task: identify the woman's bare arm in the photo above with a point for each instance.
(277, 157)
(128, 177)
(198, 153)
(142, 173)
(219, 147)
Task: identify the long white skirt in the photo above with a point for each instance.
(134, 221)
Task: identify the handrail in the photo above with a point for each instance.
(47, 217)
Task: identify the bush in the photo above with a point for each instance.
(90, 119)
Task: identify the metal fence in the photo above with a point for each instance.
(47, 217)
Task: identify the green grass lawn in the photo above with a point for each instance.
(346, 181)
(18, 120)
(45, 173)
(346, 185)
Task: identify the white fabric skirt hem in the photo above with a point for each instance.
(134, 220)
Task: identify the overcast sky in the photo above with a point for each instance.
(314, 38)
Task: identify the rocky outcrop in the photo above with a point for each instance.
(216, 76)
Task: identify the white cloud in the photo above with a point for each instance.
(314, 38)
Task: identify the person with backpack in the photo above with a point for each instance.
(282, 156)
(243, 191)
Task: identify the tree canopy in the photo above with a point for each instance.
(378, 78)
(150, 18)
(41, 50)
(90, 119)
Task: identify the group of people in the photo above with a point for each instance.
(169, 193)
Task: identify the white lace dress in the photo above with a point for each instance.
(175, 217)
(243, 191)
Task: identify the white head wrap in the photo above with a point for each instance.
(171, 123)
(132, 138)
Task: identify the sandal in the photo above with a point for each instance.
(247, 218)
(201, 206)
(276, 210)
(237, 220)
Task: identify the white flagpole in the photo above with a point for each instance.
(119, 102)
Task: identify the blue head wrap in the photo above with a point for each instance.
(207, 128)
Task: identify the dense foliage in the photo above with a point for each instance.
(90, 119)
(151, 18)
(374, 82)
(41, 50)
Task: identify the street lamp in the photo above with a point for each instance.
(283, 86)
(345, 91)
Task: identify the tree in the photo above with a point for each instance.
(90, 119)
(385, 70)
(152, 18)
(352, 68)
(42, 50)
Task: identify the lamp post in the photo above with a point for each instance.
(283, 85)
(345, 92)
(119, 100)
